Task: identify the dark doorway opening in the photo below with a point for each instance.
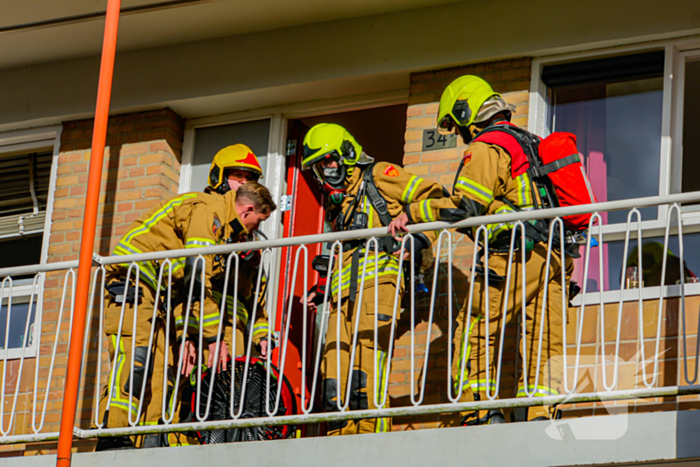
(380, 131)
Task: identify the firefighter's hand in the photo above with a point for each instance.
(233, 184)
(309, 301)
(263, 348)
(223, 356)
(399, 225)
(188, 354)
(406, 253)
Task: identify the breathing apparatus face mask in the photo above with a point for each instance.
(332, 181)
(465, 133)
(334, 176)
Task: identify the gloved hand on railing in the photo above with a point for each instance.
(314, 296)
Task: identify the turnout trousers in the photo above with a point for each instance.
(368, 378)
(115, 402)
(544, 372)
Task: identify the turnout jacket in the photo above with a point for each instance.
(191, 220)
(481, 187)
(247, 281)
(400, 189)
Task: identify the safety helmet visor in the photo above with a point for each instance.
(315, 162)
(320, 167)
(250, 174)
(446, 125)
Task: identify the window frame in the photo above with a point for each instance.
(42, 138)
(23, 292)
(676, 53)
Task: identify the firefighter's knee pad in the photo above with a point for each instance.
(358, 399)
(531, 414)
(330, 395)
(140, 370)
(157, 440)
(330, 404)
(488, 417)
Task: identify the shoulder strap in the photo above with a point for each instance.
(376, 198)
(517, 142)
(459, 170)
(523, 148)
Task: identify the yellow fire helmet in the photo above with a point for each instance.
(329, 139)
(238, 156)
(461, 101)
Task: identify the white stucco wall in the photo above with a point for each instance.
(339, 58)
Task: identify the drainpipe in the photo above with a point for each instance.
(87, 242)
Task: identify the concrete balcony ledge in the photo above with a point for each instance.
(635, 438)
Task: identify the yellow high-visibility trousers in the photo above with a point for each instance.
(367, 387)
(544, 372)
(116, 402)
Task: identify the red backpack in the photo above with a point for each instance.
(553, 164)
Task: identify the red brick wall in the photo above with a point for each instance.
(141, 168)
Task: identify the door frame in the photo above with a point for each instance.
(275, 174)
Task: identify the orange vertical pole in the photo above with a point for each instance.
(87, 242)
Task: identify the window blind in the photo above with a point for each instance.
(24, 189)
(645, 65)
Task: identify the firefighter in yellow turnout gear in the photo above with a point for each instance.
(484, 186)
(231, 167)
(191, 220)
(364, 195)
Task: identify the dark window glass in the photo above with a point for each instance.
(652, 256)
(18, 324)
(617, 122)
(691, 128)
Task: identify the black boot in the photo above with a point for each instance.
(114, 443)
(155, 441)
(492, 417)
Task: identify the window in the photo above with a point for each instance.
(27, 179)
(210, 139)
(691, 126)
(635, 115)
(614, 107)
(22, 324)
(24, 190)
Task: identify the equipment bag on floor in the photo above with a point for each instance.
(253, 402)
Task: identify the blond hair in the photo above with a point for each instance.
(257, 195)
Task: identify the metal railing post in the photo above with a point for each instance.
(99, 136)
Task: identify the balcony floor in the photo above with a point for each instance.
(653, 437)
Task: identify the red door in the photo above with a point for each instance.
(305, 217)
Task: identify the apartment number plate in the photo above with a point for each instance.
(432, 140)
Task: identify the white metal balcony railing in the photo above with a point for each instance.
(606, 359)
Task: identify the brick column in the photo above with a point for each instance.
(142, 168)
